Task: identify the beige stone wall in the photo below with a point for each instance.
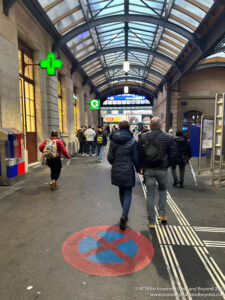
(159, 107)
(90, 115)
(211, 80)
(195, 91)
(174, 108)
(9, 81)
(21, 25)
(77, 83)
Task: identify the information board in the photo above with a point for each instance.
(123, 98)
(207, 134)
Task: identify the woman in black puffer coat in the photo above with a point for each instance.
(123, 157)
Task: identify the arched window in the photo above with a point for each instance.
(191, 117)
(76, 107)
(27, 100)
(60, 103)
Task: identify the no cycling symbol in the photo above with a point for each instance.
(106, 251)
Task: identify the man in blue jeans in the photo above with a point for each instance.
(157, 151)
(100, 142)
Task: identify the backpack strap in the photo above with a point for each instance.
(149, 135)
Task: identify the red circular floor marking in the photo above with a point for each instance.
(80, 261)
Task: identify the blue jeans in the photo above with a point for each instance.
(96, 149)
(125, 199)
(152, 176)
(100, 152)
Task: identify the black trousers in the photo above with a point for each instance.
(181, 169)
(82, 147)
(55, 166)
(90, 145)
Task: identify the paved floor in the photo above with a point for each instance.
(35, 222)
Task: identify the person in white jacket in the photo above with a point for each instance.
(90, 135)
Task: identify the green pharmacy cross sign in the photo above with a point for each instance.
(94, 104)
(51, 64)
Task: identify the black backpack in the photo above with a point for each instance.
(152, 150)
(99, 139)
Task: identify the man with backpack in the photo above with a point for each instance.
(100, 142)
(52, 150)
(157, 151)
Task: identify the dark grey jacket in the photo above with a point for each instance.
(183, 149)
(167, 149)
(123, 157)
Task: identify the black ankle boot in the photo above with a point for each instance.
(123, 221)
(175, 182)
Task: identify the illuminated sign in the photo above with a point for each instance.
(94, 104)
(113, 119)
(122, 98)
(51, 64)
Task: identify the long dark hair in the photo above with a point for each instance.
(54, 133)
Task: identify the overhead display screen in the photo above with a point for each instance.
(130, 97)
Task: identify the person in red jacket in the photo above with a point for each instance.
(55, 163)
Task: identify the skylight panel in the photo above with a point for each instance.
(144, 26)
(190, 7)
(62, 8)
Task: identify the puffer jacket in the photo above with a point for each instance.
(183, 150)
(80, 135)
(123, 157)
(167, 149)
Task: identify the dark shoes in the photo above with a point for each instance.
(175, 182)
(123, 222)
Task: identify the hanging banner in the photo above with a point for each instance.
(207, 134)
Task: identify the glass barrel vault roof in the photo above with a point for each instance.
(150, 34)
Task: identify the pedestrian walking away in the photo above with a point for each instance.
(90, 134)
(143, 131)
(52, 150)
(183, 155)
(156, 151)
(114, 130)
(82, 140)
(123, 157)
(101, 142)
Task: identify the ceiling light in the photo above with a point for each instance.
(126, 66)
(126, 90)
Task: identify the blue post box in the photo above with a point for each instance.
(12, 164)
